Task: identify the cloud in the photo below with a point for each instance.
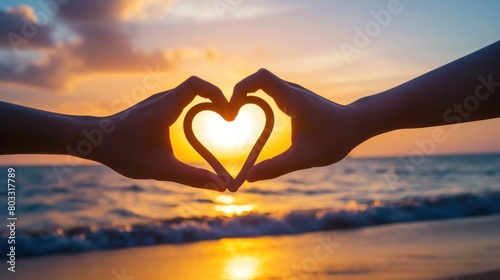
(92, 10)
(50, 72)
(113, 10)
(99, 49)
(21, 29)
(147, 9)
(219, 10)
(212, 54)
(103, 43)
(108, 48)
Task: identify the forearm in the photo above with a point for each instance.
(465, 90)
(31, 131)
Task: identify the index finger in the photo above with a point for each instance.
(195, 177)
(262, 79)
(185, 93)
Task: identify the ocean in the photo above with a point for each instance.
(92, 208)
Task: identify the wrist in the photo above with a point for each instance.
(373, 116)
(87, 137)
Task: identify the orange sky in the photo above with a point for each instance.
(89, 56)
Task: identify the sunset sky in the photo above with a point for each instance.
(90, 57)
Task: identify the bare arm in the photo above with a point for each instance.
(32, 131)
(324, 132)
(135, 142)
(467, 89)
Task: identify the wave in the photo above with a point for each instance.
(182, 230)
(288, 191)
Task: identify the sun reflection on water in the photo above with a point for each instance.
(226, 206)
(242, 268)
(234, 209)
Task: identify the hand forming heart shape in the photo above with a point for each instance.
(232, 183)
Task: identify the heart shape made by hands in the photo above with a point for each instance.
(232, 183)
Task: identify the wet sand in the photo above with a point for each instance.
(430, 250)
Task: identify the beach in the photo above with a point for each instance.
(249, 140)
(373, 218)
(427, 250)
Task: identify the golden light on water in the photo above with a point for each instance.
(354, 206)
(242, 268)
(226, 205)
(234, 209)
(224, 199)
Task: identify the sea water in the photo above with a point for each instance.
(94, 208)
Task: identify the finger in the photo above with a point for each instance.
(196, 177)
(194, 86)
(288, 161)
(260, 80)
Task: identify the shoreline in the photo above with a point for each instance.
(414, 251)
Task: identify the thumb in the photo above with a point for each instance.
(288, 161)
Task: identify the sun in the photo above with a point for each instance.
(229, 134)
(236, 137)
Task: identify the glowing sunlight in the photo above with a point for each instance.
(224, 199)
(226, 206)
(242, 268)
(236, 137)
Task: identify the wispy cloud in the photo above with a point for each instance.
(21, 29)
(207, 11)
(102, 42)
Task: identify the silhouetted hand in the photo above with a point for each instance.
(135, 142)
(140, 146)
(323, 132)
